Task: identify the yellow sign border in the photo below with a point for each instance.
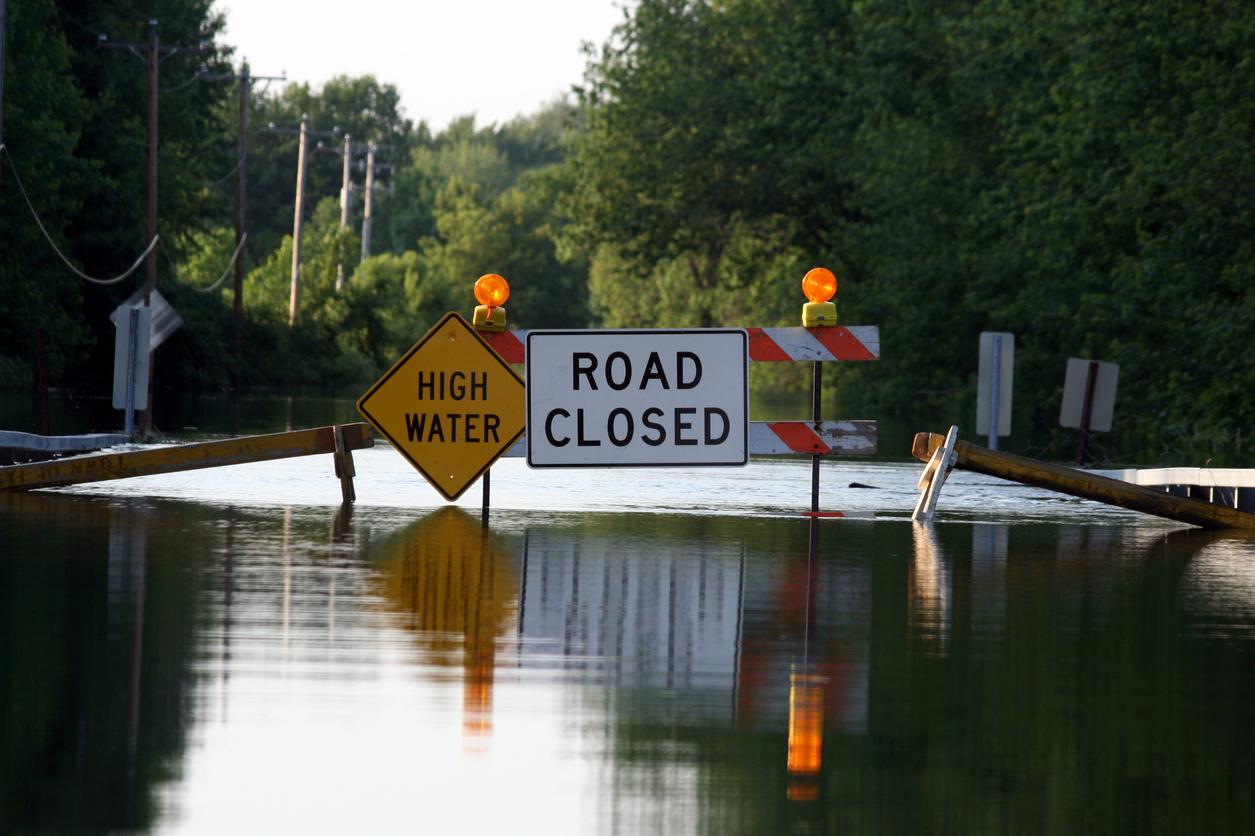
(435, 483)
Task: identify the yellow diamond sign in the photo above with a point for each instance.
(451, 405)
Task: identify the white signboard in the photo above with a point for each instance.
(1075, 384)
(165, 320)
(131, 349)
(645, 398)
(993, 384)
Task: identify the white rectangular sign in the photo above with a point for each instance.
(637, 398)
(123, 344)
(995, 376)
(1075, 385)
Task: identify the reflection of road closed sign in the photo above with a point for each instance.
(637, 398)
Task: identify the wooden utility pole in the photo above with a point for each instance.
(241, 196)
(150, 264)
(346, 199)
(153, 57)
(241, 204)
(246, 80)
(4, 14)
(370, 192)
(294, 299)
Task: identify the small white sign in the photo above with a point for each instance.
(131, 350)
(637, 398)
(995, 376)
(1076, 384)
(165, 320)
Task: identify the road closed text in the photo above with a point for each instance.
(637, 398)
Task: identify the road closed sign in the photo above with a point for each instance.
(637, 398)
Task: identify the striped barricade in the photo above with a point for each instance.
(766, 345)
(790, 438)
(771, 345)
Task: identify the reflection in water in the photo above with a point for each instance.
(1219, 587)
(806, 735)
(806, 694)
(459, 587)
(127, 568)
(930, 590)
(96, 650)
(616, 673)
(987, 589)
(628, 605)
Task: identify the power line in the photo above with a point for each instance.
(221, 279)
(18, 179)
(198, 76)
(239, 162)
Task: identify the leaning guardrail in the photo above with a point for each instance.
(338, 440)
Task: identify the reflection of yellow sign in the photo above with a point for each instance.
(451, 405)
(458, 589)
(453, 580)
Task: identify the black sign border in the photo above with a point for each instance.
(745, 390)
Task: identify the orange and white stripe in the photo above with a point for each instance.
(793, 438)
(766, 345)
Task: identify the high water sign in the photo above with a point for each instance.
(451, 406)
(625, 398)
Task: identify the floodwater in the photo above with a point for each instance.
(632, 651)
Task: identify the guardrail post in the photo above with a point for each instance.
(343, 459)
(817, 379)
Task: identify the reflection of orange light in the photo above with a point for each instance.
(802, 790)
(477, 707)
(819, 284)
(806, 724)
(492, 290)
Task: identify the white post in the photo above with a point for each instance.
(995, 392)
(934, 476)
(132, 351)
(369, 190)
(346, 192)
(294, 298)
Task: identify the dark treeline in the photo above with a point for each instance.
(1081, 175)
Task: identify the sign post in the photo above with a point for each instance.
(131, 349)
(993, 385)
(637, 398)
(1089, 399)
(450, 405)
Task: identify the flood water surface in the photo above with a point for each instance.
(648, 653)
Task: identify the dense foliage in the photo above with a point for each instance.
(1081, 175)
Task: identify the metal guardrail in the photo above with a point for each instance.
(339, 440)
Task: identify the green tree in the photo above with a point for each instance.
(362, 107)
(671, 168)
(510, 234)
(38, 290)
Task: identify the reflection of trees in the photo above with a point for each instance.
(458, 590)
(96, 639)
